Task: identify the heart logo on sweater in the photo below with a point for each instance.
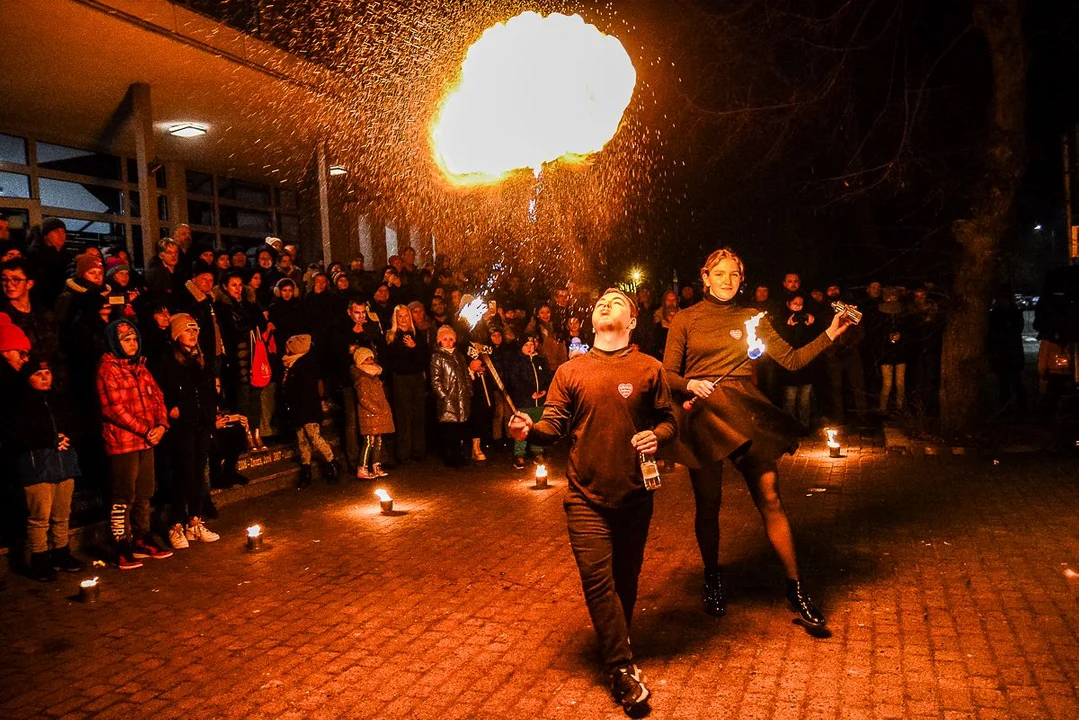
(625, 389)
(736, 334)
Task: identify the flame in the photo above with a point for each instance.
(88, 583)
(254, 531)
(541, 471)
(831, 437)
(473, 312)
(533, 90)
(756, 345)
(383, 495)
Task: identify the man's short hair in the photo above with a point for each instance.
(165, 243)
(19, 263)
(236, 273)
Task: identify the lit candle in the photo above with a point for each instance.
(89, 590)
(833, 444)
(541, 476)
(254, 537)
(386, 500)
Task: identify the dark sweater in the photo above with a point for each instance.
(708, 339)
(601, 400)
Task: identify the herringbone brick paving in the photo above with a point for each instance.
(943, 579)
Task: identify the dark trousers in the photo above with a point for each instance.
(191, 448)
(351, 441)
(609, 547)
(408, 399)
(846, 367)
(452, 436)
(227, 444)
(132, 487)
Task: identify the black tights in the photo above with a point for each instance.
(763, 483)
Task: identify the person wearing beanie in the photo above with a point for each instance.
(134, 420)
(121, 291)
(265, 260)
(303, 407)
(89, 280)
(50, 261)
(46, 465)
(14, 345)
(238, 257)
(372, 410)
(355, 331)
(188, 385)
(527, 379)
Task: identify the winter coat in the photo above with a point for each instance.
(405, 360)
(43, 417)
(200, 306)
(452, 386)
(372, 409)
(161, 282)
(525, 375)
(131, 404)
(43, 332)
(50, 272)
(188, 384)
(798, 335)
(236, 319)
(288, 319)
(74, 300)
(300, 392)
(890, 334)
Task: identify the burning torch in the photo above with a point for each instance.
(754, 351)
(472, 313)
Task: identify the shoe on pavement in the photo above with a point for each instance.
(518, 463)
(177, 537)
(148, 549)
(803, 605)
(629, 691)
(378, 471)
(365, 474)
(40, 568)
(62, 559)
(124, 559)
(195, 530)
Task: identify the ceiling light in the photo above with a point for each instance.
(187, 130)
(338, 170)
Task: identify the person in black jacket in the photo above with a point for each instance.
(527, 379)
(355, 331)
(237, 319)
(50, 261)
(196, 299)
(408, 359)
(47, 467)
(187, 381)
(299, 389)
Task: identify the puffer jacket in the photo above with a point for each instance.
(131, 404)
(372, 410)
(452, 385)
(526, 375)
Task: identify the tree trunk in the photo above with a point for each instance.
(979, 237)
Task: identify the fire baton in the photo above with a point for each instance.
(752, 355)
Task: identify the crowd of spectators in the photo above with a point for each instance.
(149, 386)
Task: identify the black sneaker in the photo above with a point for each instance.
(628, 690)
(62, 559)
(40, 568)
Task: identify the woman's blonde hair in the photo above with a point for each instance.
(445, 331)
(392, 332)
(723, 254)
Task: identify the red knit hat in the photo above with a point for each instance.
(11, 336)
(86, 262)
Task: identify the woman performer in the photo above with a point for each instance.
(732, 419)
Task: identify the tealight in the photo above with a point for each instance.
(833, 444)
(254, 537)
(89, 590)
(385, 500)
(541, 476)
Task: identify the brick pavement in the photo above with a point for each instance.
(942, 578)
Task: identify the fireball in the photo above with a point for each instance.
(532, 90)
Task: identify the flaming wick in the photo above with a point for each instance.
(831, 437)
(254, 531)
(756, 345)
(383, 495)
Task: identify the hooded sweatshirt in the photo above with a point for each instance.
(131, 401)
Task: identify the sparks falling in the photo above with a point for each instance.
(533, 90)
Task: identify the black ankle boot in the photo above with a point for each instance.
(305, 476)
(802, 604)
(333, 470)
(41, 567)
(714, 602)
